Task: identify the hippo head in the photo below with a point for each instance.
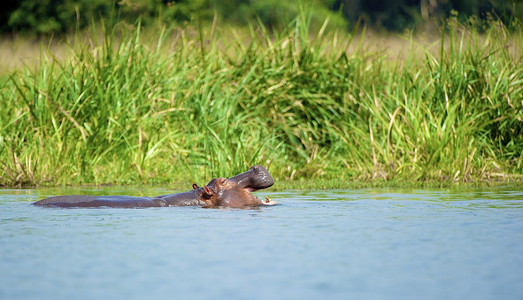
(223, 192)
(256, 178)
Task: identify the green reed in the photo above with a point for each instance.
(175, 106)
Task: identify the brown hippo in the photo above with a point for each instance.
(220, 192)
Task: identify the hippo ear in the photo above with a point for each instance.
(195, 186)
(208, 191)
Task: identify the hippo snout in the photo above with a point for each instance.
(256, 178)
(262, 177)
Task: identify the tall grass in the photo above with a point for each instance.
(177, 106)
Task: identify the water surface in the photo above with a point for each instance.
(357, 244)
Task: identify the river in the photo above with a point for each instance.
(338, 244)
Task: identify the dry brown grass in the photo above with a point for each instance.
(17, 52)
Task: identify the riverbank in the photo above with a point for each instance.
(127, 106)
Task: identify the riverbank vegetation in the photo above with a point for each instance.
(127, 105)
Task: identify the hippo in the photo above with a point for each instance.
(234, 192)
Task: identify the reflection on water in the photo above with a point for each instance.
(362, 244)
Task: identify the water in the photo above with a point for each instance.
(363, 244)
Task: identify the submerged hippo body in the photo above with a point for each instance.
(181, 199)
(219, 192)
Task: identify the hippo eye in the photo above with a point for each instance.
(222, 181)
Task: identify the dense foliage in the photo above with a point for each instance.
(185, 105)
(58, 16)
